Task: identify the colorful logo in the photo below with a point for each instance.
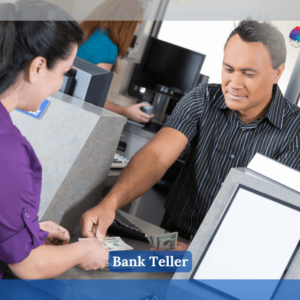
(295, 37)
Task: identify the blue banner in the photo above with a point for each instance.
(37, 114)
(150, 261)
(132, 289)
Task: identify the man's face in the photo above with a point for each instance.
(247, 76)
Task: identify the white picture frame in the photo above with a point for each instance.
(255, 239)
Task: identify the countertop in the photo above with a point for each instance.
(147, 132)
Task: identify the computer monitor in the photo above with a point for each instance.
(168, 65)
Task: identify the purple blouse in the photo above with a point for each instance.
(20, 189)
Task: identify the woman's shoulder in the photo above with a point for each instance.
(16, 150)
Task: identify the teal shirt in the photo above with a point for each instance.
(98, 49)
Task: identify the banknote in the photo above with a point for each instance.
(114, 244)
(166, 241)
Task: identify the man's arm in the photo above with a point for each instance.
(145, 169)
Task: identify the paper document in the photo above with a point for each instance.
(276, 171)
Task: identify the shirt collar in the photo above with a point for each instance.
(4, 114)
(275, 113)
(219, 100)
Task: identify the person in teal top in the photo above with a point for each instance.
(99, 49)
(106, 41)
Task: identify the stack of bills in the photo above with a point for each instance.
(166, 241)
(114, 244)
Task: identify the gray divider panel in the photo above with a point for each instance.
(92, 82)
(75, 142)
(253, 180)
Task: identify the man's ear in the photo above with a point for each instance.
(278, 73)
(36, 69)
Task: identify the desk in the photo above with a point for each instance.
(77, 273)
(112, 177)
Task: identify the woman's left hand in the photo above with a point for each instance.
(57, 234)
(180, 247)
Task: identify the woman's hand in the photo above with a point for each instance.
(47, 261)
(134, 113)
(97, 256)
(180, 247)
(57, 234)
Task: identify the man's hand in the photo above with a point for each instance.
(95, 222)
(57, 234)
(146, 168)
(180, 247)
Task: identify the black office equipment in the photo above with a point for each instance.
(168, 65)
(123, 227)
(69, 82)
(122, 146)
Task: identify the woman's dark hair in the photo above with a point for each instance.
(21, 41)
(251, 31)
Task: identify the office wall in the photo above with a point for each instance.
(209, 37)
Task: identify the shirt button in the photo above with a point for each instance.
(26, 215)
(232, 156)
(222, 183)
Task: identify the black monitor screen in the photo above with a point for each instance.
(169, 65)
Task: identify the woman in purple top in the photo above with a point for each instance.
(34, 56)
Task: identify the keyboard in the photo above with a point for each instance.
(123, 227)
(119, 162)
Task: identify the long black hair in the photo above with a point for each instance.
(49, 33)
(251, 31)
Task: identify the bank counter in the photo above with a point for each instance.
(75, 142)
(77, 273)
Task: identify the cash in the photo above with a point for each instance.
(114, 244)
(166, 241)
